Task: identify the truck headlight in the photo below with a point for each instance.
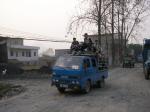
(73, 82)
(77, 82)
(53, 80)
(53, 73)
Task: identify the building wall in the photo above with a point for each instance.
(14, 41)
(23, 55)
(15, 50)
(60, 52)
(3, 53)
(3, 50)
(104, 46)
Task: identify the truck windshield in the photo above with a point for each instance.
(69, 62)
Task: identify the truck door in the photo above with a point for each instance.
(94, 70)
(87, 67)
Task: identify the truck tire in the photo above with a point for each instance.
(133, 65)
(147, 75)
(130, 65)
(101, 83)
(61, 90)
(87, 88)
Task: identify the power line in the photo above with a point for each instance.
(47, 40)
(28, 36)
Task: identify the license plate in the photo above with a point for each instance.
(64, 85)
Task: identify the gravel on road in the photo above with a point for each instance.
(126, 90)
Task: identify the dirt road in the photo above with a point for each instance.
(126, 90)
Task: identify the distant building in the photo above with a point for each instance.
(60, 52)
(106, 45)
(14, 49)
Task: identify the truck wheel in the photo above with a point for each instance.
(102, 83)
(61, 90)
(146, 74)
(130, 65)
(133, 65)
(87, 88)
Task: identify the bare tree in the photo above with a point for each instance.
(122, 16)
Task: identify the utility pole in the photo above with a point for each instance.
(113, 44)
(122, 29)
(105, 26)
(99, 23)
(119, 38)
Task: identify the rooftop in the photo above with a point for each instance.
(23, 47)
(10, 37)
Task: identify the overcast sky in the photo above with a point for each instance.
(45, 17)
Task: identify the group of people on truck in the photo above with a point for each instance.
(87, 45)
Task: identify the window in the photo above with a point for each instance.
(11, 53)
(148, 54)
(16, 54)
(26, 54)
(68, 62)
(93, 62)
(23, 53)
(87, 62)
(34, 53)
(29, 54)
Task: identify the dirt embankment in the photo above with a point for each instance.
(9, 90)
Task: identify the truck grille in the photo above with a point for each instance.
(65, 81)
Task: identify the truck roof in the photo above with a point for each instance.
(81, 55)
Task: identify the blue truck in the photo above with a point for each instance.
(78, 72)
(146, 58)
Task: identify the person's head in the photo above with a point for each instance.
(86, 35)
(90, 40)
(74, 39)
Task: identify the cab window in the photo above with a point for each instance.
(87, 63)
(93, 62)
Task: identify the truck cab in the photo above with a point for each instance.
(146, 58)
(128, 61)
(78, 72)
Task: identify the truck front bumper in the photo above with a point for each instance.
(67, 86)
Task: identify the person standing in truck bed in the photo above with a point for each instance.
(74, 45)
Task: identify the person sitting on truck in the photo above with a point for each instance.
(85, 43)
(74, 45)
(90, 44)
(95, 46)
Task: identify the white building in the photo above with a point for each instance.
(61, 52)
(16, 50)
